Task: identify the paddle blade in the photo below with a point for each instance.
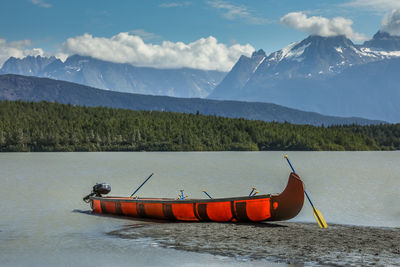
(320, 220)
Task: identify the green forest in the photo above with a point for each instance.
(44, 126)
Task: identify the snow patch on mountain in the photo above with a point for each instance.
(339, 49)
(258, 65)
(280, 55)
(379, 53)
(296, 53)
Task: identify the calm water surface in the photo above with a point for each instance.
(40, 191)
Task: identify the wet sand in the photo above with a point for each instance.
(291, 243)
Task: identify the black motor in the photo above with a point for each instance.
(98, 190)
(101, 189)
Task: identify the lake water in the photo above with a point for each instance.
(40, 191)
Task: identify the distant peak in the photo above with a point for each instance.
(384, 36)
(258, 53)
(384, 41)
(327, 38)
(339, 40)
(75, 56)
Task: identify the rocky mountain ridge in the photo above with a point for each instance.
(301, 76)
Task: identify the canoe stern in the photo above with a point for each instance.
(288, 204)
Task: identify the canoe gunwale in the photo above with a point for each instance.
(178, 201)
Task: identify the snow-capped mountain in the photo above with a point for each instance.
(182, 82)
(301, 74)
(29, 65)
(313, 56)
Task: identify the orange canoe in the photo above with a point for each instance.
(271, 207)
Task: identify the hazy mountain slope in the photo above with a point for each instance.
(239, 75)
(16, 87)
(183, 82)
(370, 90)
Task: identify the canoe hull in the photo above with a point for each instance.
(282, 206)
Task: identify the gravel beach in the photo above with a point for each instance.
(283, 242)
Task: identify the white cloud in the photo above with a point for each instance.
(233, 12)
(205, 53)
(144, 34)
(391, 22)
(41, 3)
(321, 26)
(175, 4)
(384, 5)
(17, 49)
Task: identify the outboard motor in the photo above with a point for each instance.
(98, 190)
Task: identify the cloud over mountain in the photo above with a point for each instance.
(391, 22)
(317, 25)
(18, 49)
(205, 53)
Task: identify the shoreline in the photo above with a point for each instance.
(279, 242)
(190, 151)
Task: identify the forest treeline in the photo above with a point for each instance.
(44, 126)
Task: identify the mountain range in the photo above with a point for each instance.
(27, 88)
(329, 75)
(184, 82)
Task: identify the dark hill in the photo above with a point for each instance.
(17, 87)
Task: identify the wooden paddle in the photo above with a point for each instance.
(142, 184)
(317, 214)
(205, 192)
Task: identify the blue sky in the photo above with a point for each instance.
(47, 25)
